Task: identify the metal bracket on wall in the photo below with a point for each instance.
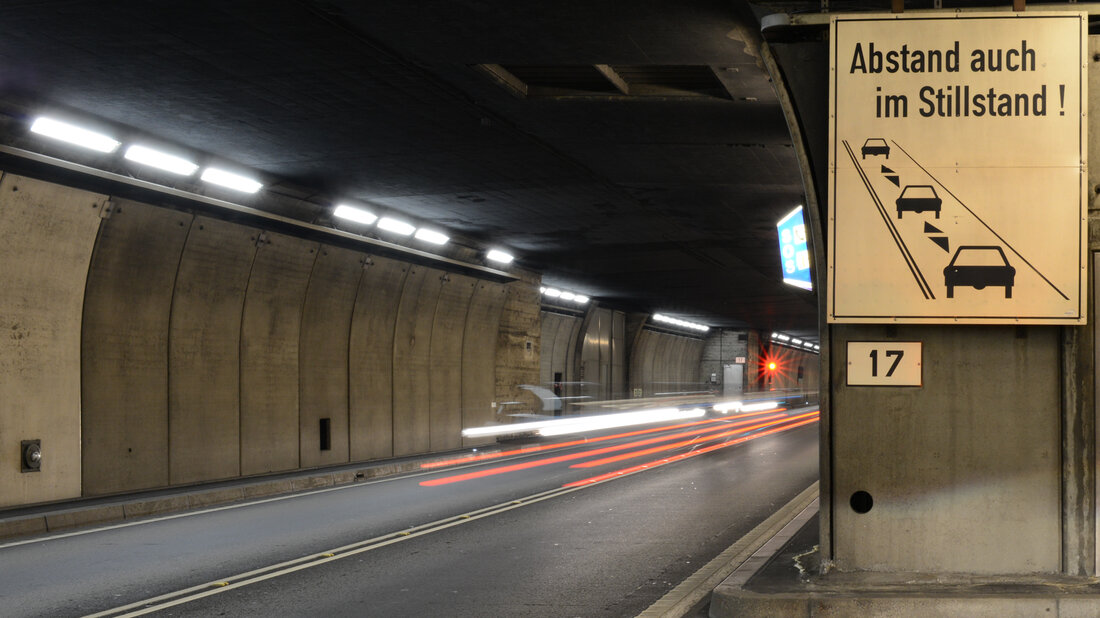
(106, 209)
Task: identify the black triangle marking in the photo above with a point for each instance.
(886, 170)
(931, 229)
(942, 242)
(894, 179)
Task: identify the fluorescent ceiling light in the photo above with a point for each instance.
(396, 226)
(436, 238)
(160, 160)
(552, 292)
(230, 180)
(568, 296)
(784, 338)
(497, 255)
(580, 299)
(74, 135)
(358, 215)
(796, 341)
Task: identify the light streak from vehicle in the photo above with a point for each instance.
(693, 441)
(613, 421)
(572, 456)
(538, 448)
(682, 456)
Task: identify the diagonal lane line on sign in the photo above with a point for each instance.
(980, 220)
(922, 283)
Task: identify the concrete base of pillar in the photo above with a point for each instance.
(789, 584)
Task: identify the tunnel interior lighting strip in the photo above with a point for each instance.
(566, 295)
(501, 257)
(665, 319)
(144, 155)
(431, 236)
(397, 226)
(160, 160)
(357, 215)
(220, 177)
(795, 342)
(73, 134)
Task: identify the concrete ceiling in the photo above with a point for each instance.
(504, 123)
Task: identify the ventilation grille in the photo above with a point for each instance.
(603, 80)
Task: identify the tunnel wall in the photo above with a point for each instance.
(147, 347)
(665, 363)
(47, 235)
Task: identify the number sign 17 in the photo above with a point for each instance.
(884, 363)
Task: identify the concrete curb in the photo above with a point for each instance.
(67, 517)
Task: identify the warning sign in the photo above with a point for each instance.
(958, 168)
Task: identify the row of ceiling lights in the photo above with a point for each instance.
(566, 295)
(664, 319)
(795, 342)
(144, 155)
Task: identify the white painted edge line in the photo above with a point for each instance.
(747, 555)
(194, 593)
(248, 502)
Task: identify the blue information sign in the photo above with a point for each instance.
(794, 254)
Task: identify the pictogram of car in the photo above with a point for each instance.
(875, 146)
(918, 198)
(977, 267)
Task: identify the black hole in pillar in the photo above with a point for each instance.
(1021, 332)
(326, 434)
(891, 331)
(861, 502)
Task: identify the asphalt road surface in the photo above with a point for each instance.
(569, 530)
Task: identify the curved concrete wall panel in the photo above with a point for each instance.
(125, 348)
(149, 347)
(204, 351)
(270, 330)
(326, 328)
(46, 241)
(370, 359)
(479, 356)
(445, 410)
(412, 361)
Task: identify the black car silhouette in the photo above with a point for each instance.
(978, 267)
(875, 146)
(918, 198)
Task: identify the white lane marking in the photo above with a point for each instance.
(226, 584)
(254, 502)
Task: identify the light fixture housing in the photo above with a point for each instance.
(401, 228)
(432, 236)
(73, 134)
(496, 255)
(160, 160)
(351, 213)
(230, 180)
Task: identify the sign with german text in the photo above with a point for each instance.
(957, 171)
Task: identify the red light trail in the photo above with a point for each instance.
(547, 447)
(573, 456)
(682, 456)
